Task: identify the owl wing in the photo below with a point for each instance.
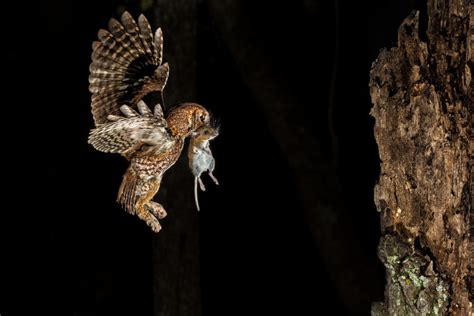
(125, 135)
(126, 65)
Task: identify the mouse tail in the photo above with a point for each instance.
(196, 193)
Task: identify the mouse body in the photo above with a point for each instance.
(200, 157)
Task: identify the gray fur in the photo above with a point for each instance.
(200, 158)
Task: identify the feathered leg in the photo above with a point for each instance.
(156, 209)
(145, 209)
(135, 195)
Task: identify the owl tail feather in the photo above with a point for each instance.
(127, 196)
(196, 193)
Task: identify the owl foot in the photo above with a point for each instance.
(150, 220)
(156, 209)
(213, 178)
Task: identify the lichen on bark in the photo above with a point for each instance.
(413, 285)
(422, 96)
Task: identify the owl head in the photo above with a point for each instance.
(187, 118)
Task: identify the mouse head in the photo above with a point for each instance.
(206, 132)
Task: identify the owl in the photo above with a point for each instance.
(126, 66)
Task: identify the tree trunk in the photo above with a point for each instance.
(422, 96)
(176, 283)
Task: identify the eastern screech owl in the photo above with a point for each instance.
(126, 66)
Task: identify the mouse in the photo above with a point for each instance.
(200, 157)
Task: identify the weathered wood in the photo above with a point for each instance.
(422, 96)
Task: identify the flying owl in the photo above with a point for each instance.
(126, 66)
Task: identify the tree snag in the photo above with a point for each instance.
(422, 96)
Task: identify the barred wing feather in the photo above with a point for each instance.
(126, 65)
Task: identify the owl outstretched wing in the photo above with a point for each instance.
(129, 133)
(126, 66)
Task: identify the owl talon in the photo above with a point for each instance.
(156, 209)
(150, 220)
(155, 226)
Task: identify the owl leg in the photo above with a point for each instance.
(156, 209)
(145, 209)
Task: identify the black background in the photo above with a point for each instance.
(71, 248)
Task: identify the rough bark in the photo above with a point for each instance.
(422, 96)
